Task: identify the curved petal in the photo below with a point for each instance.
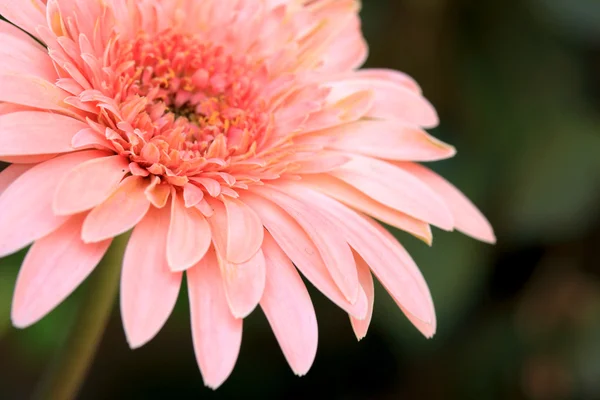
(216, 334)
(11, 173)
(37, 132)
(53, 268)
(149, 289)
(390, 140)
(27, 15)
(294, 241)
(467, 218)
(89, 184)
(327, 238)
(288, 308)
(392, 101)
(7, 28)
(397, 189)
(26, 205)
(361, 326)
(427, 329)
(244, 283)
(189, 236)
(356, 199)
(32, 91)
(25, 57)
(397, 77)
(244, 231)
(119, 213)
(386, 258)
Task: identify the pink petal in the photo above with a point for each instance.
(294, 241)
(427, 329)
(216, 334)
(158, 193)
(37, 132)
(149, 289)
(89, 138)
(11, 173)
(393, 101)
(397, 189)
(288, 308)
(32, 91)
(467, 218)
(356, 199)
(387, 259)
(24, 56)
(27, 159)
(53, 268)
(397, 77)
(192, 195)
(244, 231)
(359, 326)
(327, 238)
(27, 15)
(119, 213)
(322, 162)
(244, 283)
(26, 205)
(7, 28)
(389, 140)
(89, 184)
(349, 51)
(189, 236)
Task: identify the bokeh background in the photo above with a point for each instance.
(517, 85)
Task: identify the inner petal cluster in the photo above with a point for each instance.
(185, 107)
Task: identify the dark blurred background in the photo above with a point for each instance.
(517, 85)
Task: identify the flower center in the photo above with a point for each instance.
(188, 106)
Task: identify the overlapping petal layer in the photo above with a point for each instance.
(240, 157)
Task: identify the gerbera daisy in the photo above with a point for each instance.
(240, 142)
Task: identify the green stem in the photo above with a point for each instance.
(67, 373)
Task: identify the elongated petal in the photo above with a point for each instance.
(356, 199)
(119, 213)
(26, 205)
(244, 231)
(397, 77)
(7, 28)
(36, 132)
(27, 15)
(192, 195)
(397, 189)
(427, 329)
(394, 268)
(24, 56)
(11, 173)
(53, 268)
(189, 236)
(393, 101)
(216, 334)
(467, 218)
(294, 241)
(244, 283)
(327, 238)
(89, 184)
(390, 140)
(322, 162)
(288, 308)
(361, 326)
(32, 91)
(149, 289)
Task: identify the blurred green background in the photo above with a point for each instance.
(517, 85)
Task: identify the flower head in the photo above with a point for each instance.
(240, 142)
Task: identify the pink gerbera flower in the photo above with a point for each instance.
(239, 141)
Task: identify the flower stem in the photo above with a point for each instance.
(66, 374)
